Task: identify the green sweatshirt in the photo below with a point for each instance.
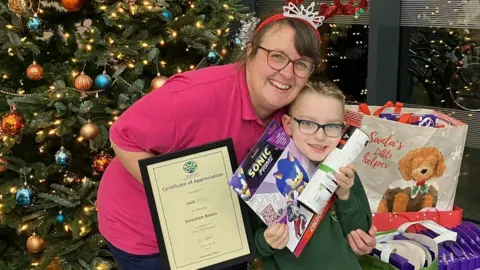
(328, 248)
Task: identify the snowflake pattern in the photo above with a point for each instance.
(457, 153)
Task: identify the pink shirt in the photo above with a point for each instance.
(191, 109)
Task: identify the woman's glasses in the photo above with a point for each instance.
(278, 61)
(309, 127)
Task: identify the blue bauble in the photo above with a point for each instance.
(60, 218)
(103, 81)
(34, 23)
(63, 157)
(238, 41)
(25, 196)
(212, 57)
(167, 14)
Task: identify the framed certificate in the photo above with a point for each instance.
(198, 219)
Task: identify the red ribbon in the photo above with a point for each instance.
(420, 183)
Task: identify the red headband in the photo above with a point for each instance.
(280, 16)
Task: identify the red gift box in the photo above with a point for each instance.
(391, 221)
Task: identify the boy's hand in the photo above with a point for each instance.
(276, 236)
(345, 179)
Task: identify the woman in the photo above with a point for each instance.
(232, 101)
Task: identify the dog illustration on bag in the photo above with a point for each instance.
(291, 177)
(418, 189)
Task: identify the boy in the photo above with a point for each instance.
(315, 121)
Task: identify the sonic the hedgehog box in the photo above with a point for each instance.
(270, 179)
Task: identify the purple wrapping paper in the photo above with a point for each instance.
(426, 120)
(395, 260)
(468, 245)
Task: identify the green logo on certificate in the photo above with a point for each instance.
(190, 167)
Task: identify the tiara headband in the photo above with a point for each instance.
(305, 15)
(308, 16)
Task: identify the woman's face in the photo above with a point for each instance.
(272, 89)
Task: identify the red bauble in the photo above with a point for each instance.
(12, 123)
(101, 162)
(72, 5)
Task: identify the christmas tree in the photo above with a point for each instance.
(68, 69)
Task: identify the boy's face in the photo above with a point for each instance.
(315, 108)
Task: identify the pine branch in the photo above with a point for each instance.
(59, 200)
(37, 215)
(70, 249)
(42, 206)
(85, 264)
(61, 188)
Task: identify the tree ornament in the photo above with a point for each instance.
(89, 131)
(35, 71)
(17, 6)
(34, 23)
(54, 264)
(212, 57)
(3, 165)
(60, 217)
(103, 81)
(63, 157)
(83, 82)
(158, 82)
(70, 179)
(72, 5)
(224, 51)
(25, 196)
(167, 14)
(101, 162)
(35, 243)
(12, 122)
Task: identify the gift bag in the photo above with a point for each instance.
(413, 159)
(391, 221)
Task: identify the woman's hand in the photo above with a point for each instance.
(276, 236)
(362, 243)
(345, 179)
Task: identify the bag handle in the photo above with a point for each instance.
(363, 108)
(444, 234)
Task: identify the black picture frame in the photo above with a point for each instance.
(144, 163)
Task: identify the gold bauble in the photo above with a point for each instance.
(35, 71)
(83, 82)
(12, 123)
(17, 6)
(101, 162)
(72, 5)
(224, 51)
(158, 82)
(35, 244)
(89, 131)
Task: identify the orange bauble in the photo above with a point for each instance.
(72, 5)
(101, 162)
(35, 72)
(12, 123)
(83, 82)
(35, 244)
